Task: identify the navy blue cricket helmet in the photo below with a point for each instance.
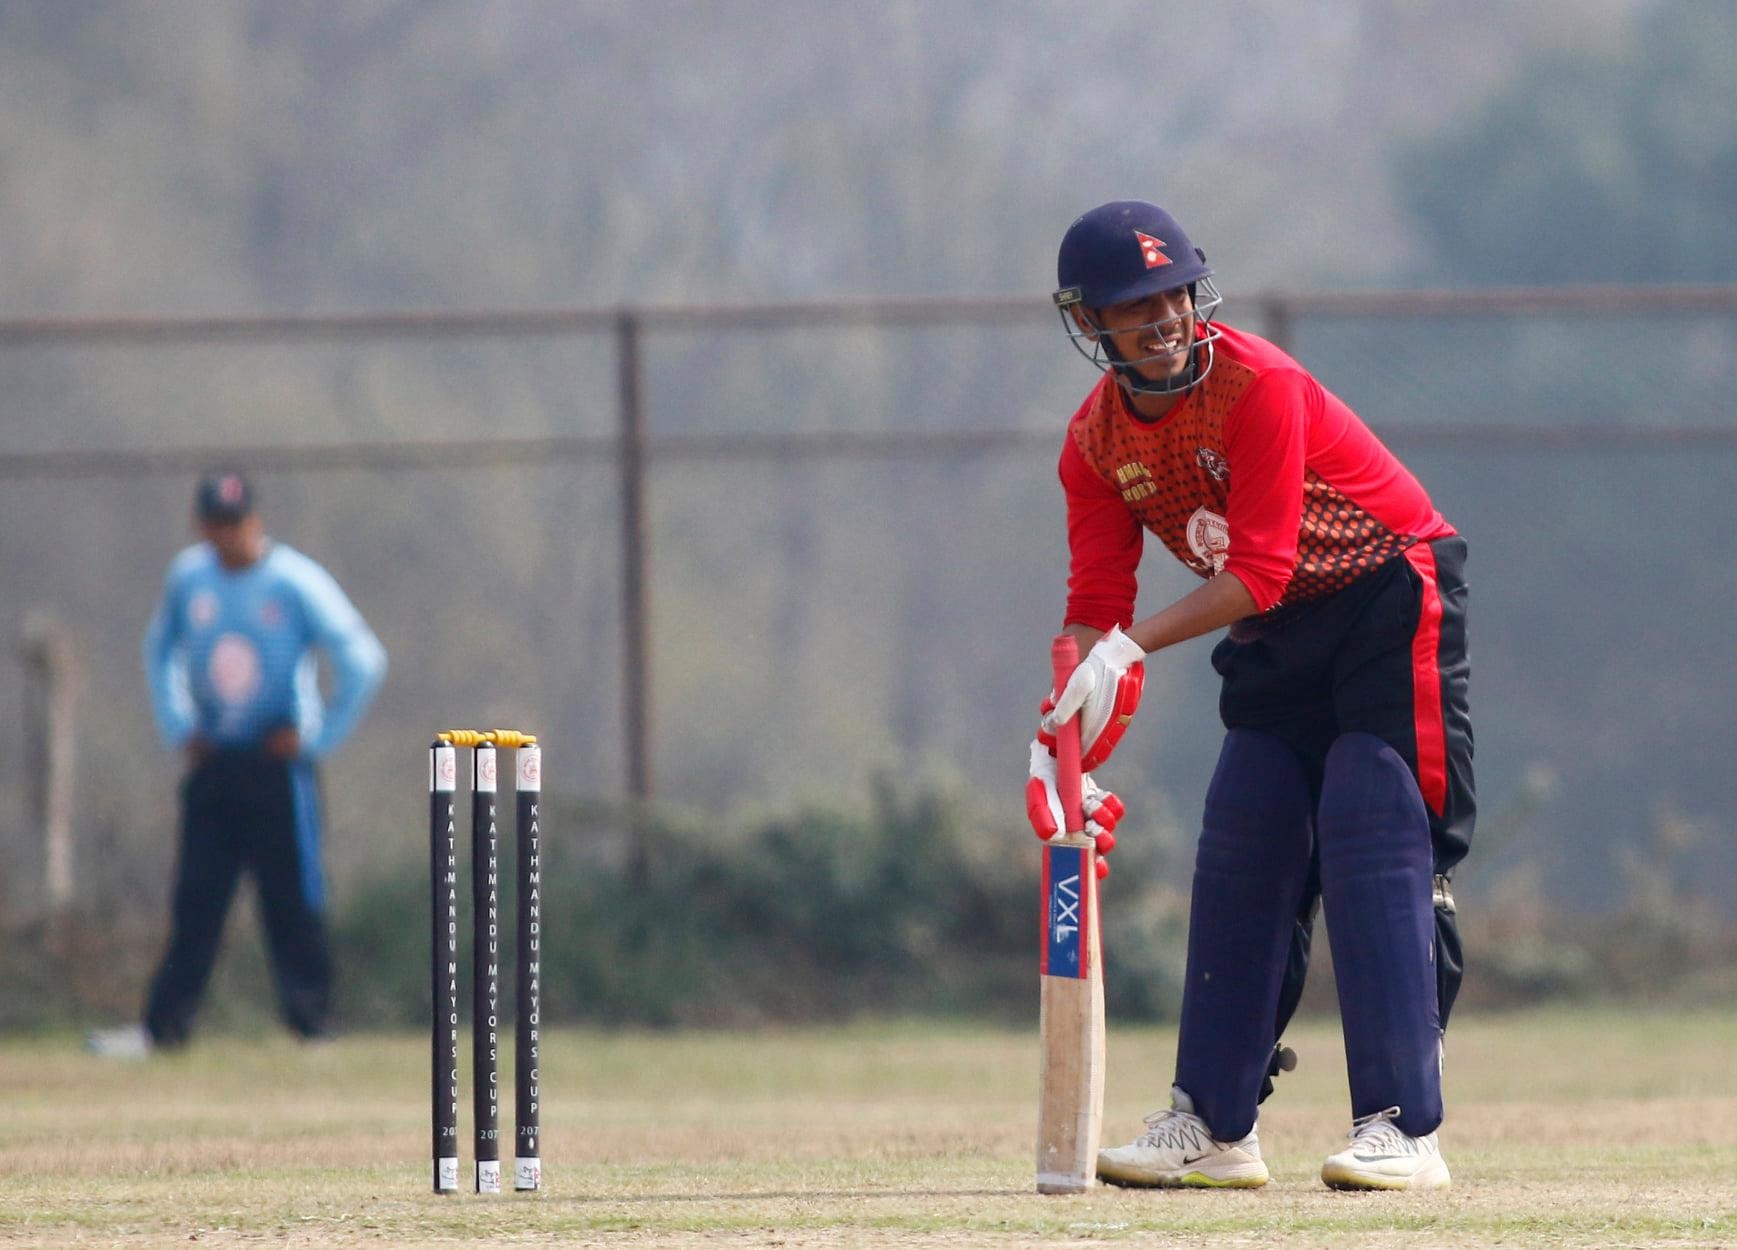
(1128, 250)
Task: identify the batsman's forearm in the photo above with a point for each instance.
(1085, 635)
(1215, 605)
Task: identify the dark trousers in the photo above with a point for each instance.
(246, 812)
(1385, 656)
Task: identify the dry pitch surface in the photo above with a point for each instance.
(1594, 1129)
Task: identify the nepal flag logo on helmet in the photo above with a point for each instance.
(1149, 250)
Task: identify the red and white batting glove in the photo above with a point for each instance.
(1103, 811)
(1105, 690)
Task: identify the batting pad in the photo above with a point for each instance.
(1250, 871)
(1376, 886)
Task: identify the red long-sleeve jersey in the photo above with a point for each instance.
(1259, 471)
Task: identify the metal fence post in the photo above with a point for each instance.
(50, 737)
(1276, 315)
(636, 661)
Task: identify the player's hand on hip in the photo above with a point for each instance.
(197, 750)
(283, 743)
(1102, 809)
(1105, 691)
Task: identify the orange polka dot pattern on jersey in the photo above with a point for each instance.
(1169, 470)
(1337, 543)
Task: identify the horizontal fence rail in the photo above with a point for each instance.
(509, 322)
(792, 445)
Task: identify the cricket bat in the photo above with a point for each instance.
(1070, 1110)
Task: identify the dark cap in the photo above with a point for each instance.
(223, 498)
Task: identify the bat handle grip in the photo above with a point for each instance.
(1064, 655)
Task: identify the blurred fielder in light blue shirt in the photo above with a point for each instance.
(230, 655)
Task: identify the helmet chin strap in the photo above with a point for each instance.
(1132, 380)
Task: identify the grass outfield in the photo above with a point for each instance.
(1566, 1129)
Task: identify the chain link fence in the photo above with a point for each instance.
(730, 559)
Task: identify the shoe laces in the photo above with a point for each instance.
(1377, 1133)
(1175, 1129)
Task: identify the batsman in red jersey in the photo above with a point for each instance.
(1345, 778)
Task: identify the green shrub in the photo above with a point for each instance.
(915, 902)
(910, 907)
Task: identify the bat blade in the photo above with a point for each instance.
(1071, 980)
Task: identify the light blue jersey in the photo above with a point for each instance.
(230, 653)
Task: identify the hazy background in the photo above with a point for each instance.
(821, 623)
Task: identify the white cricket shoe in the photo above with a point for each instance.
(130, 1041)
(1178, 1151)
(1382, 1156)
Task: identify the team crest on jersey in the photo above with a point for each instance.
(1149, 250)
(233, 669)
(1214, 464)
(1135, 481)
(1209, 540)
(271, 614)
(202, 609)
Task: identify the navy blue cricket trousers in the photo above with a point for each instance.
(246, 812)
(1385, 656)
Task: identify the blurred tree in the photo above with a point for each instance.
(1612, 168)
